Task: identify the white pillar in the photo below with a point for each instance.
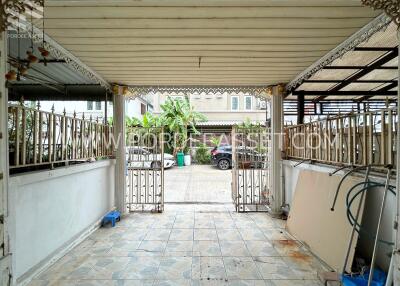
(276, 149)
(119, 135)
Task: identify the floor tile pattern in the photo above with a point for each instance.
(188, 244)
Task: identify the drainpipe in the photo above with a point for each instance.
(276, 149)
(119, 136)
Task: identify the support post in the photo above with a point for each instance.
(5, 256)
(119, 135)
(276, 149)
(300, 109)
(396, 253)
(106, 108)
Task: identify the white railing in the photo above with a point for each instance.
(38, 138)
(357, 139)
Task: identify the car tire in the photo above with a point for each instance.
(155, 165)
(224, 164)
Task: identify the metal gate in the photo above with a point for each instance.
(251, 168)
(145, 169)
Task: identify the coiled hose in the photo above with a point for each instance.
(352, 194)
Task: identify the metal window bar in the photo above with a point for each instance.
(45, 138)
(354, 139)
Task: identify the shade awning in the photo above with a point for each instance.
(207, 42)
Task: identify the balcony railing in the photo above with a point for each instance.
(354, 139)
(45, 138)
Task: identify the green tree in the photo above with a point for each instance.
(215, 141)
(178, 116)
(203, 155)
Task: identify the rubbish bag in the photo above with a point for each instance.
(378, 279)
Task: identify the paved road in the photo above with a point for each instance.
(198, 183)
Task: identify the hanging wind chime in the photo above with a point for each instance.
(31, 58)
(22, 66)
(45, 53)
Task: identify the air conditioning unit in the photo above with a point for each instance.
(262, 104)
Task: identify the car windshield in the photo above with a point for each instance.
(225, 148)
(139, 151)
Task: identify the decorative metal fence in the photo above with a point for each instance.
(145, 169)
(251, 168)
(357, 139)
(38, 138)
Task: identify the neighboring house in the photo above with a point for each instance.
(96, 109)
(222, 110)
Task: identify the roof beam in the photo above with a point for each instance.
(375, 49)
(356, 68)
(383, 89)
(356, 76)
(325, 93)
(357, 81)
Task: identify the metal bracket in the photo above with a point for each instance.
(340, 169)
(301, 162)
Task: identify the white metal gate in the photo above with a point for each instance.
(251, 168)
(145, 169)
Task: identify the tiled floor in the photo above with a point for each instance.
(188, 245)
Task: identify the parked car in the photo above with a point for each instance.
(247, 158)
(222, 157)
(140, 157)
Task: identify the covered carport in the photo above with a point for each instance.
(127, 46)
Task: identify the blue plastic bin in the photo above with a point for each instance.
(378, 279)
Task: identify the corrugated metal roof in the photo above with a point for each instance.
(53, 72)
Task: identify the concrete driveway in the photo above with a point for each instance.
(197, 184)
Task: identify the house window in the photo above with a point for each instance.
(98, 105)
(235, 103)
(177, 97)
(248, 102)
(90, 105)
(142, 109)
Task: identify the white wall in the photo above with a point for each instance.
(371, 211)
(132, 108)
(51, 209)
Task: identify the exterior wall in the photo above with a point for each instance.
(234, 115)
(371, 213)
(51, 210)
(132, 108)
(217, 107)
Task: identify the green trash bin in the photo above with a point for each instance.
(180, 159)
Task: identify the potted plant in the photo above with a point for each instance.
(187, 156)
